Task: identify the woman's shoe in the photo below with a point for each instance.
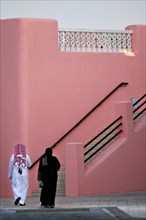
(45, 206)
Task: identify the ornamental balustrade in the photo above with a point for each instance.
(95, 41)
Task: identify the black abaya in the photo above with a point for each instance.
(47, 172)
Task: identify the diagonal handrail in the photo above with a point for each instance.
(110, 125)
(102, 138)
(139, 99)
(80, 121)
(135, 110)
(139, 113)
(102, 132)
(103, 145)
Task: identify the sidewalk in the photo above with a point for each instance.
(132, 204)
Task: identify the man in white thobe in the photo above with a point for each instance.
(18, 172)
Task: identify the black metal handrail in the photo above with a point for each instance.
(139, 106)
(103, 131)
(136, 116)
(135, 110)
(79, 122)
(103, 145)
(103, 138)
(139, 99)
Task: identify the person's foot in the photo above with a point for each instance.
(17, 201)
(22, 204)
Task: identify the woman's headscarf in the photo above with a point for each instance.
(48, 152)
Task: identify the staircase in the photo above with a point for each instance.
(61, 182)
(97, 144)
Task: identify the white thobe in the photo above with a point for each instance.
(19, 181)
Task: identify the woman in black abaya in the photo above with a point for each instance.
(47, 175)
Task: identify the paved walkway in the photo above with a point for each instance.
(116, 206)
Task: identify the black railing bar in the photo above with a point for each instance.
(79, 122)
(120, 117)
(102, 146)
(36, 161)
(139, 106)
(139, 113)
(121, 84)
(139, 99)
(102, 139)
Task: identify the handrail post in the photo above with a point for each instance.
(74, 168)
(125, 109)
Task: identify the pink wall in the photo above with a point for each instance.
(118, 168)
(44, 92)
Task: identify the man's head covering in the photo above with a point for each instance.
(20, 155)
(48, 152)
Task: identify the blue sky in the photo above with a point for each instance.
(80, 14)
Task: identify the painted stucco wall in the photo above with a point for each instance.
(44, 92)
(118, 168)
